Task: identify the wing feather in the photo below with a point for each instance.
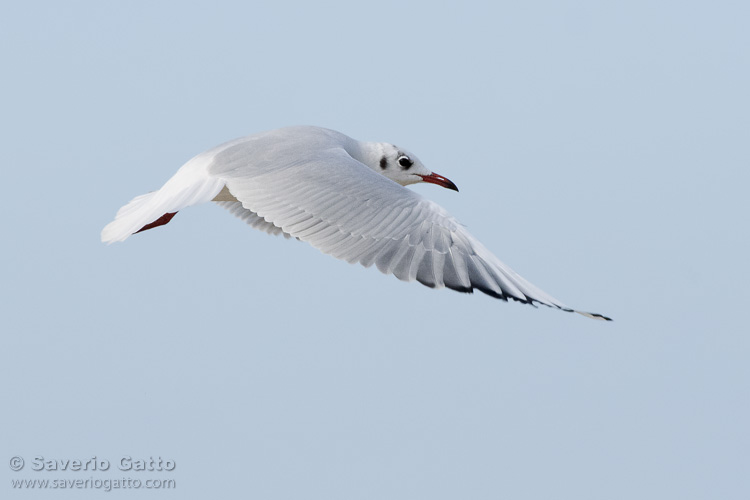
(254, 220)
(347, 210)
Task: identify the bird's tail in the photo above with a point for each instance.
(189, 186)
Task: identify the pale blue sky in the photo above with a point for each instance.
(601, 149)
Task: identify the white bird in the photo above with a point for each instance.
(344, 197)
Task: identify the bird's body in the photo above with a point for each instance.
(344, 197)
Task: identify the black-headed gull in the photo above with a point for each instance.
(344, 197)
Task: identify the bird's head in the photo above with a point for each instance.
(400, 166)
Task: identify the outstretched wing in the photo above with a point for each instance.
(346, 210)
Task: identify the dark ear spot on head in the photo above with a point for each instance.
(383, 162)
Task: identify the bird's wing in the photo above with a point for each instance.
(254, 220)
(347, 210)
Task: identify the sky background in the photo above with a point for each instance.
(601, 149)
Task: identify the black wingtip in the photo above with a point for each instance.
(598, 316)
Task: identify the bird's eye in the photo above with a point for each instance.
(405, 161)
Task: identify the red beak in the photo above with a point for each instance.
(434, 178)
